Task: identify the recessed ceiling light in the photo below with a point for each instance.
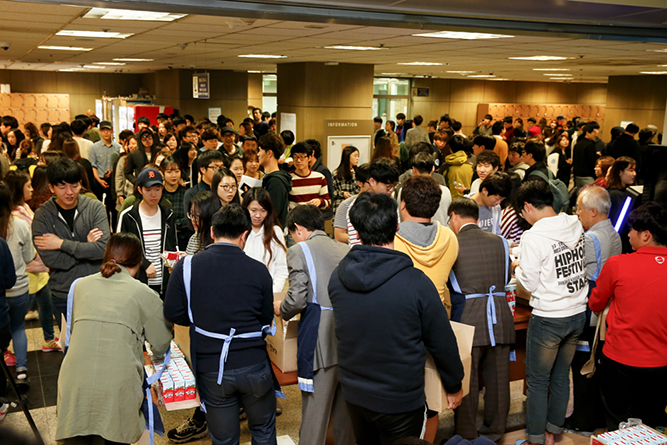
(481, 76)
(462, 35)
(94, 67)
(420, 63)
(94, 34)
(126, 14)
(109, 63)
(540, 58)
(354, 48)
(657, 50)
(461, 72)
(262, 56)
(133, 60)
(653, 72)
(558, 75)
(551, 69)
(65, 48)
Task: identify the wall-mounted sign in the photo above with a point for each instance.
(201, 86)
(423, 92)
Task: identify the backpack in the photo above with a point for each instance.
(558, 188)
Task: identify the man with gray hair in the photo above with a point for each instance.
(602, 242)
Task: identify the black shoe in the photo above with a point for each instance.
(22, 377)
(188, 431)
(569, 427)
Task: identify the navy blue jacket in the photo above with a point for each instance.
(229, 290)
(7, 280)
(388, 313)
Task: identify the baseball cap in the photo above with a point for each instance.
(149, 177)
(560, 116)
(224, 130)
(534, 131)
(106, 125)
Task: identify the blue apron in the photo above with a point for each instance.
(227, 338)
(491, 318)
(148, 408)
(584, 345)
(308, 328)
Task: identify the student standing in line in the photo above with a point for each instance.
(70, 232)
(620, 176)
(276, 181)
(344, 181)
(224, 185)
(266, 242)
(154, 225)
(7, 281)
(175, 193)
(492, 191)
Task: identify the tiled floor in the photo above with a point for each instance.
(42, 397)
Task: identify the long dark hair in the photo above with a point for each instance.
(207, 204)
(383, 149)
(344, 171)
(264, 199)
(615, 172)
(217, 178)
(15, 181)
(123, 249)
(11, 149)
(40, 188)
(5, 210)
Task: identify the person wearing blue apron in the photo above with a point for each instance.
(602, 242)
(478, 277)
(311, 262)
(226, 298)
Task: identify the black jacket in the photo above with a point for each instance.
(585, 155)
(130, 221)
(624, 145)
(538, 166)
(388, 313)
(135, 162)
(278, 184)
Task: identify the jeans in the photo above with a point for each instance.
(45, 310)
(18, 307)
(550, 347)
(374, 428)
(250, 387)
(59, 309)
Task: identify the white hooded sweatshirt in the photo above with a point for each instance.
(553, 266)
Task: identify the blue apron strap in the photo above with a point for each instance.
(598, 255)
(507, 259)
(455, 283)
(70, 299)
(149, 397)
(311, 268)
(187, 280)
(491, 317)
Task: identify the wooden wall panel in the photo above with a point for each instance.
(255, 90)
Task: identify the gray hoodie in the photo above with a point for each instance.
(77, 257)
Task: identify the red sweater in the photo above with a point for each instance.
(637, 320)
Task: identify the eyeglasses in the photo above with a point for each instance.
(299, 158)
(192, 217)
(147, 136)
(228, 188)
(215, 167)
(390, 187)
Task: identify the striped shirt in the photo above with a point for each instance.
(509, 226)
(352, 234)
(152, 233)
(305, 188)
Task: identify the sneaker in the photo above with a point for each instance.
(188, 431)
(10, 359)
(31, 315)
(4, 407)
(22, 377)
(51, 346)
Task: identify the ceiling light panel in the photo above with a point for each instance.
(540, 58)
(354, 48)
(132, 60)
(94, 34)
(109, 63)
(421, 64)
(462, 35)
(262, 56)
(64, 48)
(126, 14)
(551, 69)
(460, 72)
(653, 72)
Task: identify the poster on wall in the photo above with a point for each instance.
(214, 113)
(288, 122)
(201, 86)
(336, 145)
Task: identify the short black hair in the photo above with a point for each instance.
(375, 218)
(205, 158)
(421, 195)
(485, 141)
(589, 127)
(458, 143)
(208, 135)
(488, 117)
(632, 128)
(650, 217)
(362, 172)
(189, 117)
(456, 125)
(301, 148)
(63, 170)
(78, 127)
(489, 157)
(231, 221)
(273, 142)
(537, 149)
(497, 127)
(288, 137)
(143, 120)
(446, 118)
(377, 119)
(307, 216)
(464, 207)
(418, 120)
(423, 162)
(508, 119)
(517, 146)
(498, 183)
(400, 116)
(316, 146)
(536, 193)
(532, 119)
(178, 120)
(10, 121)
(384, 170)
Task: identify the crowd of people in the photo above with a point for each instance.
(201, 224)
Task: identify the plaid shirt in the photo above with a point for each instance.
(341, 186)
(176, 199)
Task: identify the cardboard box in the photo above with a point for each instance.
(282, 346)
(436, 397)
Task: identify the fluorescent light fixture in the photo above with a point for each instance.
(65, 48)
(481, 76)
(653, 72)
(126, 14)
(93, 34)
(461, 72)
(109, 63)
(70, 70)
(390, 74)
(262, 56)
(254, 72)
(558, 75)
(133, 60)
(551, 69)
(354, 48)
(421, 63)
(541, 58)
(462, 35)
(657, 50)
(94, 67)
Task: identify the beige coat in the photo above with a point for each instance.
(99, 386)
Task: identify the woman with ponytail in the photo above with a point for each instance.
(100, 381)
